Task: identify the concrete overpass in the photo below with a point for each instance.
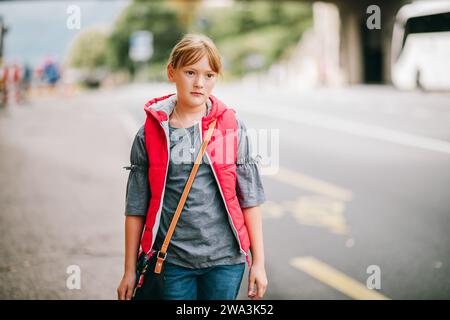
(364, 54)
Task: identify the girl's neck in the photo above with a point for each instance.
(190, 113)
(183, 116)
(187, 111)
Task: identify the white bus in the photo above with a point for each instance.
(420, 56)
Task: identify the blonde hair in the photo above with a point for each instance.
(191, 48)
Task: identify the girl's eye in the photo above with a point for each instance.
(192, 73)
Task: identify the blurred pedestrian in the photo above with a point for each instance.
(27, 76)
(16, 82)
(51, 73)
(4, 77)
(221, 219)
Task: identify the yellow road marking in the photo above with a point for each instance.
(305, 182)
(336, 279)
(312, 210)
(320, 211)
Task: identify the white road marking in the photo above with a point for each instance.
(358, 129)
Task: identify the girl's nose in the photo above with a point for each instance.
(198, 82)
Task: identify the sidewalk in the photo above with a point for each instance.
(62, 192)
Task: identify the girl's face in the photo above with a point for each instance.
(194, 82)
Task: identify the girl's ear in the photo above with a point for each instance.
(170, 73)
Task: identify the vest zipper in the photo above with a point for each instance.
(230, 220)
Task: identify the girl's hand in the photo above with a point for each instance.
(126, 287)
(257, 282)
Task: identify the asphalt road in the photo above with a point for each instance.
(362, 190)
(359, 196)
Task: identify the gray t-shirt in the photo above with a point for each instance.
(203, 236)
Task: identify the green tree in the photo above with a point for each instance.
(88, 50)
(155, 16)
(252, 35)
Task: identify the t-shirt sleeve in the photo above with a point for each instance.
(249, 189)
(138, 189)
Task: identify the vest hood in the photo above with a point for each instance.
(160, 108)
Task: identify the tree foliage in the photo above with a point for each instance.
(88, 50)
(156, 17)
(251, 35)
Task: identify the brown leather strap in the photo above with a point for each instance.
(163, 252)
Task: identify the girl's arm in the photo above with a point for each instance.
(134, 226)
(253, 221)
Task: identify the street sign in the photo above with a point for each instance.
(141, 46)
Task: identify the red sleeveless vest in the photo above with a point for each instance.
(221, 153)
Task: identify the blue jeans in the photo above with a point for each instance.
(213, 283)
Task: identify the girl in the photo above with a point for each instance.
(221, 219)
